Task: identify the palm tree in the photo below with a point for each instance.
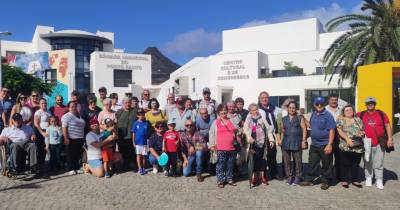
(373, 37)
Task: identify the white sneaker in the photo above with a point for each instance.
(155, 170)
(73, 172)
(368, 182)
(379, 184)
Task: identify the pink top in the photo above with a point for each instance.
(103, 115)
(225, 135)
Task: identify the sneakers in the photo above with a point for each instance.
(166, 173)
(200, 178)
(368, 182)
(107, 174)
(324, 186)
(379, 184)
(290, 180)
(142, 171)
(306, 183)
(155, 170)
(73, 172)
(296, 181)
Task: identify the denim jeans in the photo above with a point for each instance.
(198, 157)
(153, 160)
(55, 156)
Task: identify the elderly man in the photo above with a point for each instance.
(208, 103)
(125, 117)
(193, 146)
(102, 96)
(5, 108)
(181, 114)
(170, 106)
(22, 138)
(322, 135)
(144, 103)
(203, 122)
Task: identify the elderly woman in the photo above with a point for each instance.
(107, 113)
(294, 138)
(41, 122)
(22, 108)
(351, 132)
(114, 102)
(155, 114)
(221, 139)
(259, 136)
(73, 127)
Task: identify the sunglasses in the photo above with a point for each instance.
(34, 95)
(370, 103)
(146, 94)
(319, 104)
(189, 125)
(5, 91)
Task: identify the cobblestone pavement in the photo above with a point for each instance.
(132, 191)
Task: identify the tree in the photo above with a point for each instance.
(293, 68)
(17, 81)
(373, 37)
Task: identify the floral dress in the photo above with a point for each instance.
(351, 130)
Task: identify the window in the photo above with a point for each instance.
(122, 78)
(345, 96)
(50, 76)
(285, 73)
(321, 70)
(278, 100)
(194, 85)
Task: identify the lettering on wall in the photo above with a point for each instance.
(233, 70)
(126, 62)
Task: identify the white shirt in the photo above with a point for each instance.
(334, 113)
(44, 118)
(17, 135)
(93, 153)
(144, 104)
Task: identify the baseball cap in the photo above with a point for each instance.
(171, 121)
(141, 111)
(102, 89)
(93, 121)
(370, 100)
(17, 116)
(319, 100)
(206, 90)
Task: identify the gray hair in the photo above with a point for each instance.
(252, 105)
(126, 98)
(107, 101)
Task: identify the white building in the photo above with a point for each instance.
(252, 61)
(78, 60)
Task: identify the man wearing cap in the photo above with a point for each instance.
(377, 127)
(102, 96)
(181, 114)
(22, 138)
(5, 108)
(322, 135)
(207, 102)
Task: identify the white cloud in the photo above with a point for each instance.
(254, 22)
(197, 42)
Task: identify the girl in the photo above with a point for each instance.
(53, 142)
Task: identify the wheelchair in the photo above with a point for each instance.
(6, 161)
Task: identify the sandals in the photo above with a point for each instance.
(231, 183)
(359, 185)
(221, 185)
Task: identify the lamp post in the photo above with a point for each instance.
(6, 33)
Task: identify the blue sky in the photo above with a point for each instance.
(181, 29)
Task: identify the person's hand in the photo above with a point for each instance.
(163, 149)
(251, 140)
(33, 138)
(212, 148)
(304, 145)
(157, 157)
(328, 149)
(66, 141)
(185, 163)
(191, 150)
(271, 144)
(390, 142)
(349, 142)
(3, 140)
(279, 142)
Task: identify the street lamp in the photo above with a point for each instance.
(6, 33)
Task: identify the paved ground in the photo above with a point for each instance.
(131, 191)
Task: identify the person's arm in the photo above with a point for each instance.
(12, 113)
(270, 134)
(280, 133)
(389, 135)
(107, 140)
(151, 148)
(4, 118)
(303, 126)
(163, 144)
(133, 139)
(247, 132)
(328, 147)
(212, 136)
(36, 123)
(64, 123)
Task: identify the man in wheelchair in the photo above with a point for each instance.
(21, 140)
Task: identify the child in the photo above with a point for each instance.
(140, 133)
(53, 142)
(170, 146)
(107, 150)
(155, 145)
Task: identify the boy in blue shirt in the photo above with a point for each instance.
(140, 134)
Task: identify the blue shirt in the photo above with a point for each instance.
(203, 126)
(188, 114)
(5, 106)
(141, 130)
(321, 124)
(155, 142)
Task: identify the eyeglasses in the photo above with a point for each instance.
(189, 125)
(34, 95)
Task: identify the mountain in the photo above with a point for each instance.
(161, 66)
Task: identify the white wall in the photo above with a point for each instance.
(326, 39)
(308, 60)
(102, 65)
(294, 36)
(39, 44)
(15, 46)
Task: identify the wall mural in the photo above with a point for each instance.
(38, 63)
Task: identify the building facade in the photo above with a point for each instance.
(252, 60)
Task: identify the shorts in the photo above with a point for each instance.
(107, 154)
(94, 164)
(141, 149)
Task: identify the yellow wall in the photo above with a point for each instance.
(376, 80)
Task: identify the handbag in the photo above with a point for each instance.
(357, 141)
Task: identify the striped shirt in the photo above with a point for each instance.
(75, 125)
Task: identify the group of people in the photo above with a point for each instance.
(104, 136)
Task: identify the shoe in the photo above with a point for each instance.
(296, 181)
(200, 178)
(155, 170)
(107, 175)
(290, 180)
(379, 184)
(324, 186)
(279, 178)
(142, 171)
(254, 182)
(73, 172)
(368, 182)
(232, 183)
(345, 185)
(357, 184)
(86, 168)
(306, 183)
(166, 173)
(264, 181)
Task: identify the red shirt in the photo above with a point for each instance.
(58, 111)
(171, 139)
(374, 127)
